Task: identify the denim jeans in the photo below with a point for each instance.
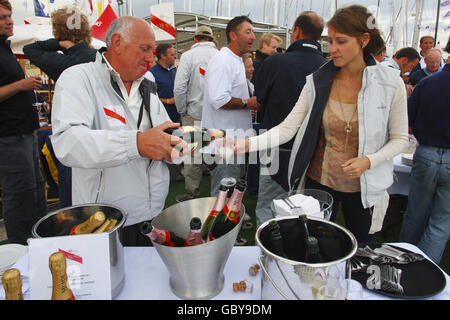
(268, 191)
(426, 223)
(23, 187)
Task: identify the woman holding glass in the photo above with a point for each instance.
(349, 121)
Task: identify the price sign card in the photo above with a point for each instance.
(87, 261)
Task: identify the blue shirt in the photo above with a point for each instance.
(429, 110)
(165, 79)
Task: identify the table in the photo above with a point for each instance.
(401, 179)
(147, 278)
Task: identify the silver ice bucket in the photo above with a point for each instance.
(196, 272)
(292, 278)
(60, 222)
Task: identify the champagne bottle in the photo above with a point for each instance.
(103, 227)
(163, 237)
(12, 284)
(90, 224)
(61, 289)
(276, 240)
(196, 137)
(312, 250)
(228, 218)
(218, 206)
(194, 237)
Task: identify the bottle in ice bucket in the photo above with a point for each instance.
(90, 224)
(230, 183)
(312, 251)
(193, 135)
(12, 284)
(218, 206)
(194, 237)
(276, 239)
(61, 289)
(163, 237)
(228, 218)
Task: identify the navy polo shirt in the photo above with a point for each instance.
(429, 110)
(165, 79)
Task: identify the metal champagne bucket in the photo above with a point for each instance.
(292, 278)
(196, 272)
(60, 222)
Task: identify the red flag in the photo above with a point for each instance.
(103, 22)
(162, 25)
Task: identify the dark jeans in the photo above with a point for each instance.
(357, 219)
(64, 185)
(23, 188)
(253, 170)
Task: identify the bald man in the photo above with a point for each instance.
(108, 126)
(432, 59)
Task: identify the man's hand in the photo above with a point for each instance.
(30, 83)
(27, 84)
(158, 145)
(252, 104)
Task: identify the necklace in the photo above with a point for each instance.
(347, 128)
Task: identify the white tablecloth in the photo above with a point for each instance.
(147, 278)
(401, 179)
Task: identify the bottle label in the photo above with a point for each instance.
(233, 207)
(231, 215)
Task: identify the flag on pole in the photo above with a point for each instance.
(445, 3)
(447, 14)
(39, 9)
(91, 6)
(103, 22)
(163, 21)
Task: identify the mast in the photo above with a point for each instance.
(417, 23)
(437, 23)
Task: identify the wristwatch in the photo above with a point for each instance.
(244, 102)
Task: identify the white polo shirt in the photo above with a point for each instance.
(225, 79)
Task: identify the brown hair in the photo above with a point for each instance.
(354, 21)
(247, 55)
(311, 25)
(62, 29)
(6, 4)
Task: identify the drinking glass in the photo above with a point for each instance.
(352, 289)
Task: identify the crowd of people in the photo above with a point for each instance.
(295, 120)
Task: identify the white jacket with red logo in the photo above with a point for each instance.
(188, 86)
(94, 133)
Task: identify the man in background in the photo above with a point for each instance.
(21, 181)
(426, 223)
(425, 43)
(188, 93)
(226, 100)
(277, 89)
(433, 59)
(268, 44)
(164, 72)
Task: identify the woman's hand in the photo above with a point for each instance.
(235, 145)
(355, 167)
